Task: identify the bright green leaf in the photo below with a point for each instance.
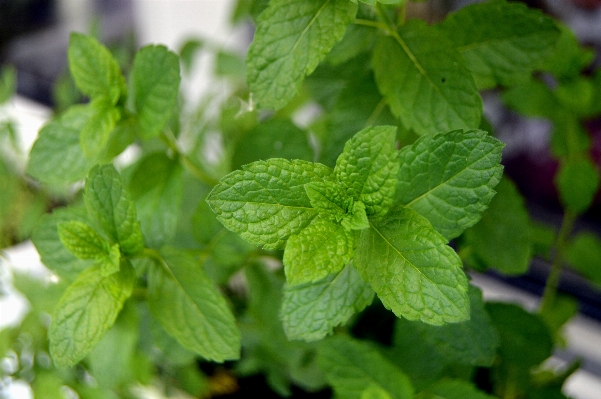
(320, 249)
(156, 81)
(48, 244)
(502, 239)
(357, 220)
(157, 188)
(584, 254)
(577, 182)
(265, 202)
(110, 205)
(87, 309)
(508, 42)
(424, 80)
(310, 311)
(292, 37)
(368, 166)
(95, 71)
(413, 271)
(351, 366)
(96, 132)
(462, 169)
(8, 83)
(110, 262)
(329, 199)
(56, 156)
(82, 240)
(191, 309)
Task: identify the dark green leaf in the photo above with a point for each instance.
(584, 254)
(577, 182)
(453, 389)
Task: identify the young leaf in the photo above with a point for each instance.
(424, 80)
(329, 199)
(503, 52)
(351, 366)
(191, 309)
(156, 81)
(109, 204)
(87, 309)
(95, 71)
(413, 271)
(56, 156)
(292, 37)
(472, 342)
(502, 239)
(265, 202)
(157, 188)
(321, 248)
(310, 311)
(368, 166)
(584, 254)
(82, 240)
(577, 181)
(462, 169)
(48, 244)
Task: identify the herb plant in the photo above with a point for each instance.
(340, 236)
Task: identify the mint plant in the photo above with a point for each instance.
(328, 256)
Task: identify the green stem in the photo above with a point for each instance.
(387, 22)
(152, 254)
(557, 265)
(370, 23)
(171, 141)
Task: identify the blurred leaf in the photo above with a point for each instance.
(584, 255)
(557, 314)
(577, 182)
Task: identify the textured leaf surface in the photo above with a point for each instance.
(351, 366)
(110, 205)
(87, 309)
(191, 309)
(577, 181)
(321, 248)
(502, 238)
(156, 81)
(502, 42)
(368, 166)
(157, 188)
(56, 156)
(96, 133)
(413, 271)
(48, 244)
(292, 37)
(471, 342)
(311, 311)
(329, 199)
(449, 178)
(266, 202)
(82, 240)
(425, 82)
(95, 71)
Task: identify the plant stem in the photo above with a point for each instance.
(557, 265)
(370, 23)
(171, 141)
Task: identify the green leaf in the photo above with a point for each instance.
(462, 169)
(82, 240)
(95, 71)
(368, 166)
(424, 80)
(191, 309)
(472, 342)
(351, 366)
(413, 271)
(110, 262)
(87, 309)
(320, 249)
(292, 37)
(157, 188)
(8, 83)
(265, 202)
(311, 311)
(502, 239)
(453, 389)
(156, 81)
(96, 132)
(329, 199)
(357, 39)
(508, 42)
(56, 157)
(557, 313)
(274, 138)
(531, 98)
(568, 58)
(110, 205)
(48, 244)
(577, 182)
(584, 254)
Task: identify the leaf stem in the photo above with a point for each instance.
(557, 265)
(169, 139)
(370, 23)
